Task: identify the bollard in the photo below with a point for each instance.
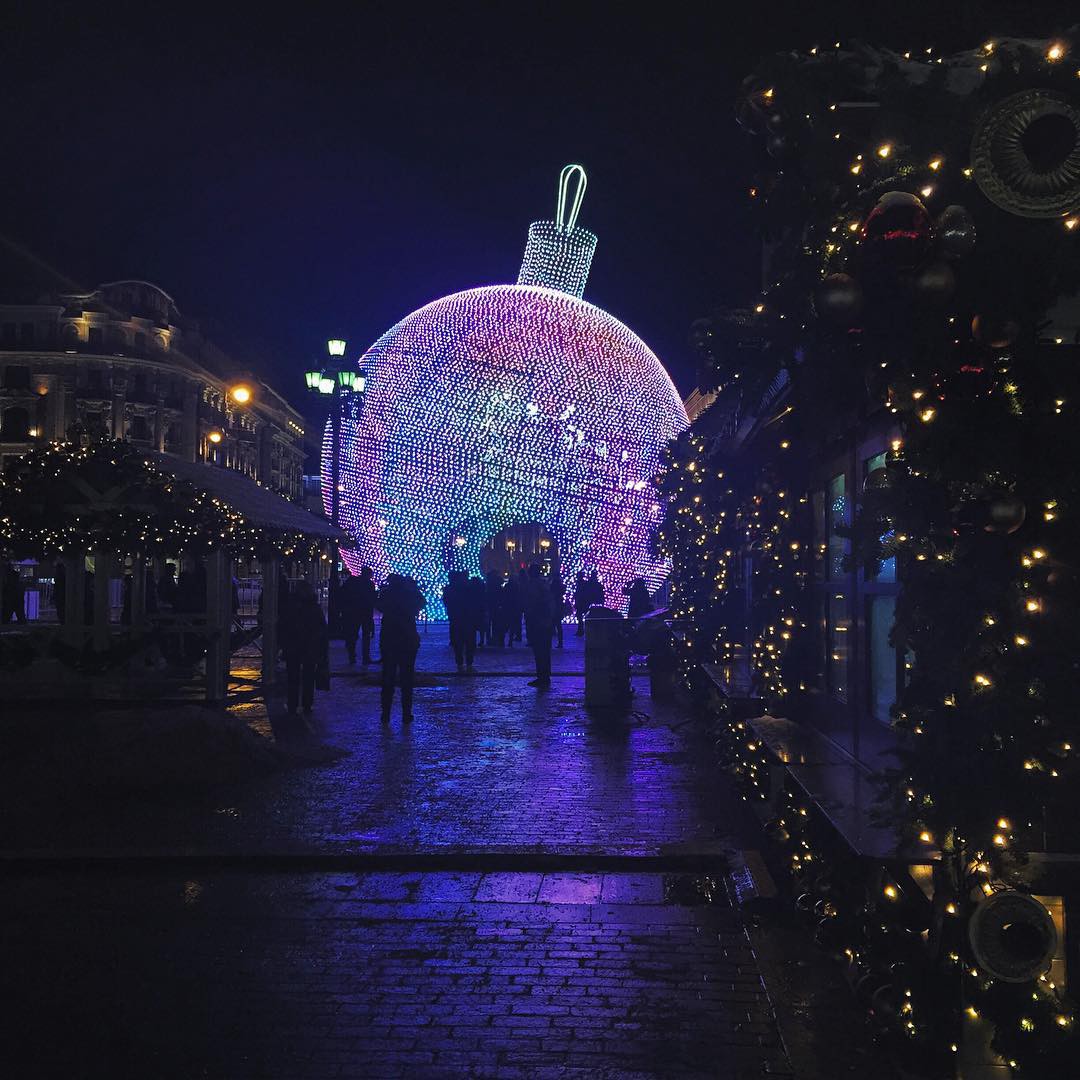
(607, 660)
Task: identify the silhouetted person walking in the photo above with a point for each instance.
(13, 596)
(478, 609)
(492, 591)
(400, 601)
(640, 603)
(595, 590)
(539, 623)
(509, 611)
(166, 586)
(581, 601)
(558, 601)
(356, 598)
(519, 615)
(456, 600)
(305, 639)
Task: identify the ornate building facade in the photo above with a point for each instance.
(122, 361)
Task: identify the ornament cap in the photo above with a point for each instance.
(558, 254)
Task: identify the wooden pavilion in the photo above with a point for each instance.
(108, 511)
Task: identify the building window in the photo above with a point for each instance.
(95, 336)
(881, 615)
(886, 569)
(7, 333)
(139, 429)
(140, 342)
(26, 333)
(837, 511)
(172, 437)
(839, 643)
(16, 377)
(15, 425)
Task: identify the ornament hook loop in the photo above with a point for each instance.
(562, 219)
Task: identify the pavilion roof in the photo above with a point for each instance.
(259, 505)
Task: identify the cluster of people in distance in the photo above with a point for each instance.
(498, 612)
(493, 612)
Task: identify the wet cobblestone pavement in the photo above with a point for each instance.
(489, 764)
(544, 953)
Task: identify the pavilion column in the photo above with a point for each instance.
(138, 593)
(74, 599)
(102, 570)
(218, 624)
(271, 601)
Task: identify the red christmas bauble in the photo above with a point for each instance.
(897, 232)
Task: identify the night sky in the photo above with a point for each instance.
(319, 171)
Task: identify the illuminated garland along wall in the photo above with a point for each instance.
(505, 405)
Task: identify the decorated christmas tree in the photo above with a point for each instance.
(922, 219)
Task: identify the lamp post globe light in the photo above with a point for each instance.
(336, 380)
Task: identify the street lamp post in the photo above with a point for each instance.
(335, 381)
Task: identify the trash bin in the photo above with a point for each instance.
(652, 638)
(607, 660)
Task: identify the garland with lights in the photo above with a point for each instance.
(106, 495)
(923, 216)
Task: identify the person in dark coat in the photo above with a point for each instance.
(400, 601)
(509, 610)
(356, 598)
(640, 603)
(305, 641)
(150, 591)
(595, 590)
(581, 601)
(190, 600)
(558, 601)
(456, 600)
(166, 586)
(60, 591)
(478, 609)
(13, 596)
(492, 589)
(539, 624)
(519, 615)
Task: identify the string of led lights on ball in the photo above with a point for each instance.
(507, 405)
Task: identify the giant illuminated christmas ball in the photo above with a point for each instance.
(507, 405)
